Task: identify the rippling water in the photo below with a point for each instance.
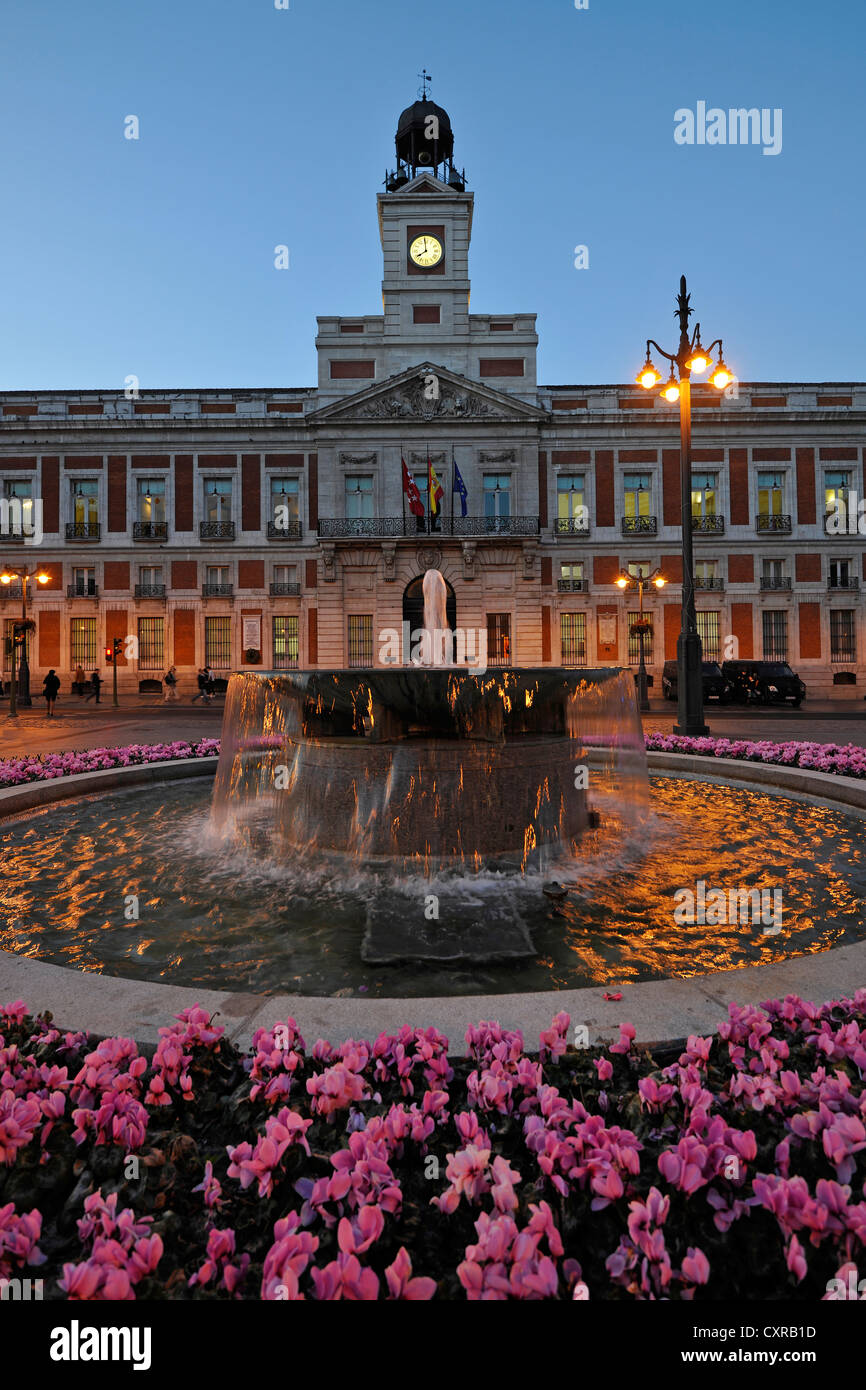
(214, 916)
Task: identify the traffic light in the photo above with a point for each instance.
(109, 655)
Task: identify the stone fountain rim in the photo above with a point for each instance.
(664, 1012)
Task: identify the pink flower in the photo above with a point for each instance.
(401, 1284)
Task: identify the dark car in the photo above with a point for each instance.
(765, 682)
(716, 687)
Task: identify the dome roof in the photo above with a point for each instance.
(414, 143)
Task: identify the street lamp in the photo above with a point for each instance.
(690, 356)
(19, 689)
(639, 582)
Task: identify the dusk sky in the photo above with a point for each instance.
(261, 127)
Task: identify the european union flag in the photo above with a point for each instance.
(459, 486)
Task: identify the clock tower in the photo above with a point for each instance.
(425, 227)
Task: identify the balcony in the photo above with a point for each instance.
(572, 586)
(82, 530)
(15, 535)
(776, 583)
(150, 591)
(710, 581)
(217, 590)
(82, 591)
(13, 591)
(570, 526)
(639, 525)
(216, 530)
(845, 583)
(386, 527)
(708, 525)
(767, 522)
(290, 530)
(150, 530)
(285, 590)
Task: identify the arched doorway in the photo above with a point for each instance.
(413, 605)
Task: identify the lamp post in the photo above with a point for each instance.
(639, 581)
(689, 357)
(19, 687)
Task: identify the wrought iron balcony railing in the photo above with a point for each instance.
(775, 581)
(709, 581)
(82, 530)
(11, 534)
(290, 530)
(150, 591)
(341, 528)
(849, 583)
(708, 525)
(768, 521)
(13, 591)
(570, 526)
(82, 591)
(150, 530)
(216, 530)
(639, 525)
(217, 590)
(285, 590)
(572, 586)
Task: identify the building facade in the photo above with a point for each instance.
(271, 529)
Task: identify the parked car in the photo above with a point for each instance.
(716, 687)
(765, 682)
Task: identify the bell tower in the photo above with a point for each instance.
(425, 225)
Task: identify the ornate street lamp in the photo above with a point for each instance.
(19, 688)
(639, 582)
(689, 357)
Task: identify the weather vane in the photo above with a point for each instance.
(425, 78)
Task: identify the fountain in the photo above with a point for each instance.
(433, 769)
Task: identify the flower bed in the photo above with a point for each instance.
(846, 760)
(386, 1170)
(45, 766)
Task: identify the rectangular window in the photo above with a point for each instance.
(151, 501)
(842, 639)
(706, 570)
(771, 493)
(361, 639)
(634, 639)
(82, 642)
(217, 500)
(359, 496)
(637, 494)
(708, 631)
(704, 494)
(85, 501)
(572, 636)
(285, 575)
(16, 508)
(499, 639)
(639, 569)
(286, 643)
(285, 510)
(775, 622)
(150, 576)
(217, 574)
(571, 577)
(497, 499)
(83, 582)
(837, 485)
(7, 645)
(218, 643)
(841, 574)
(772, 573)
(151, 645)
(570, 497)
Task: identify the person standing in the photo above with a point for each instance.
(202, 686)
(50, 687)
(95, 687)
(79, 680)
(170, 683)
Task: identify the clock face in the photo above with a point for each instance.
(426, 251)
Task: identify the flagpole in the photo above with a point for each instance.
(429, 493)
(403, 487)
(453, 479)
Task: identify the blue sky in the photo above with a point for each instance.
(261, 127)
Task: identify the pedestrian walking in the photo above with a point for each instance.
(79, 680)
(95, 687)
(202, 686)
(169, 680)
(208, 684)
(50, 687)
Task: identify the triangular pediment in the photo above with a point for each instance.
(423, 183)
(427, 392)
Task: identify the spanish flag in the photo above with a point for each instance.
(434, 488)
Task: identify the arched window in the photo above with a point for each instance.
(413, 605)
